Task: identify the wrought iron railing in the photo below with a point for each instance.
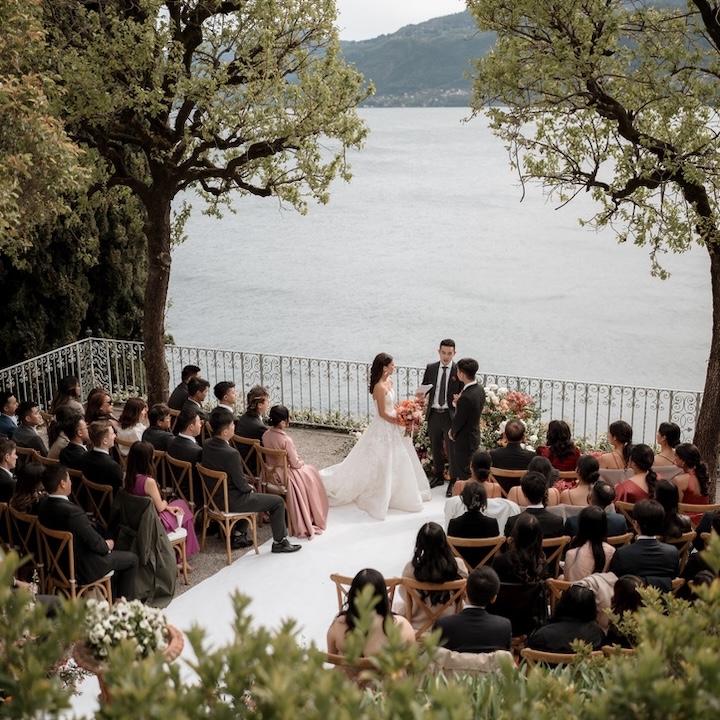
(333, 393)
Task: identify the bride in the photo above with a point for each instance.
(382, 471)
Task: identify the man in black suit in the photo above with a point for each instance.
(94, 556)
(601, 495)
(446, 386)
(197, 392)
(534, 485)
(180, 393)
(158, 431)
(8, 460)
(513, 456)
(184, 446)
(656, 562)
(218, 454)
(97, 465)
(464, 433)
(8, 406)
(475, 630)
(26, 434)
(76, 430)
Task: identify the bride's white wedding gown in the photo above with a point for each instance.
(381, 471)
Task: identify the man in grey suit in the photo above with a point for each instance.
(26, 434)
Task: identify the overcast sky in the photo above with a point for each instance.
(363, 19)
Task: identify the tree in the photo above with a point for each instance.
(618, 99)
(212, 95)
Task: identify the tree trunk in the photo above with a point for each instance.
(707, 427)
(157, 230)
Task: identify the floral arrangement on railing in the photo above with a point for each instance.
(501, 405)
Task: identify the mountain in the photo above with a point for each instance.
(423, 64)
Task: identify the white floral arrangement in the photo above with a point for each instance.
(107, 627)
(501, 405)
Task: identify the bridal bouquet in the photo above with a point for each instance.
(410, 415)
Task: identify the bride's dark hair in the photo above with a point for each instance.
(381, 361)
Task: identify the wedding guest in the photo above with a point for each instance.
(158, 432)
(226, 395)
(642, 484)
(139, 481)
(560, 449)
(133, 421)
(473, 524)
(513, 456)
(538, 465)
(432, 562)
(8, 406)
(535, 489)
(346, 621)
(250, 424)
(588, 553)
(674, 524)
(29, 488)
(99, 407)
(307, 501)
(626, 599)
(524, 561)
(180, 393)
(57, 438)
(97, 465)
(694, 481)
(26, 434)
(602, 495)
(8, 460)
(76, 430)
(184, 446)
(474, 630)
(587, 475)
(480, 472)
(668, 436)
(197, 392)
(620, 437)
(67, 394)
(574, 619)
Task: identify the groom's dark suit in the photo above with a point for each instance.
(439, 420)
(466, 430)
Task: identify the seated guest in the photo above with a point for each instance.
(588, 553)
(184, 446)
(250, 424)
(180, 393)
(602, 495)
(8, 406)
(99, 407)
(574, 619)
(76, 430)
(432, 562)
(218, 454)
(560, 449)
(67, 395)
(538, 465)
(587, 475)
(474, 630)
(197, 392)
(524, 560)
(668, 436)
(693, 482)
(473, 524)
(641, 485)
(620, 437)
(674, 524)
(307, 501)
(8, 460)
(158, 431)
(226, 395)
(132, 421)
(29, 488)
(26, 434)
(97, 465)
(626, 599)
(534, 486)
(94, 556)
(657, 563)
(57, 438)
(347, 620)
(513, 456)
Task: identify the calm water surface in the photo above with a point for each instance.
(431, 239)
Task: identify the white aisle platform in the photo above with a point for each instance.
(297, 585)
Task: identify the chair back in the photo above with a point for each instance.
(215, 490)
(6, 538)
(248, 449)
(554, 549)
(534, 657)
(26, 455)
(27, 539)
(683, 545)
(179, 479)
(491, 546)
(613, 650)
(690, 509)
(626, 509)
(274, 469)
(158, 468)
(506, 478)
(619, 540)
(47, 460)
(415, 590)
(205, 431)
(555, 589)
(173, 418)
(343, 583)
(524, 604)
(567, 475)
(676, 584)
(96, 500)
(122, 458)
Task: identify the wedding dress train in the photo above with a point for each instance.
(381, 471)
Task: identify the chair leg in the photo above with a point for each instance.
(253, 526)
(228, 537)
(182, 548)
(205, 523)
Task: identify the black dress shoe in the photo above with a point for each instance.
(285, 546)
(240, 541)
(448, 492)
(437, 482)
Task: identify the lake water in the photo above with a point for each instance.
(431, 240)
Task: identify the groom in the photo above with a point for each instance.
(443, 377)
(464, 434)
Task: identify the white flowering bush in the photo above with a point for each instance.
(107, 627)
(501, 405)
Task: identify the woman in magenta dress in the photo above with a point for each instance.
(560, 449)
(306, 497)
(138, 481)
(641, 485)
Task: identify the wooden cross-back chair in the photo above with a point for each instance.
(620, 540)
(491, 545)
(274, 471)
(158, 468)
(252, 463)
(96, 500)
(557, 546)
(179, 481)
(567, 475)
(26, 537)
(535, 657)
(122, 459)
(47, 460)
(214, 485)
(626, 509)
(26, 455)
(555, 588)
(683, 545)
(506, 478)
(174, 414)
(343, 583)
(76, 481)
(614, 650)
(414, 589)
(59, 557)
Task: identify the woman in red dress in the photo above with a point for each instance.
(620, 437)
(692, 483)
(560, 449)
(641, 485)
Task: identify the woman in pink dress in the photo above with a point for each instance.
(138, 481)
(588, 553)
(306, 497)
(641, 485)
